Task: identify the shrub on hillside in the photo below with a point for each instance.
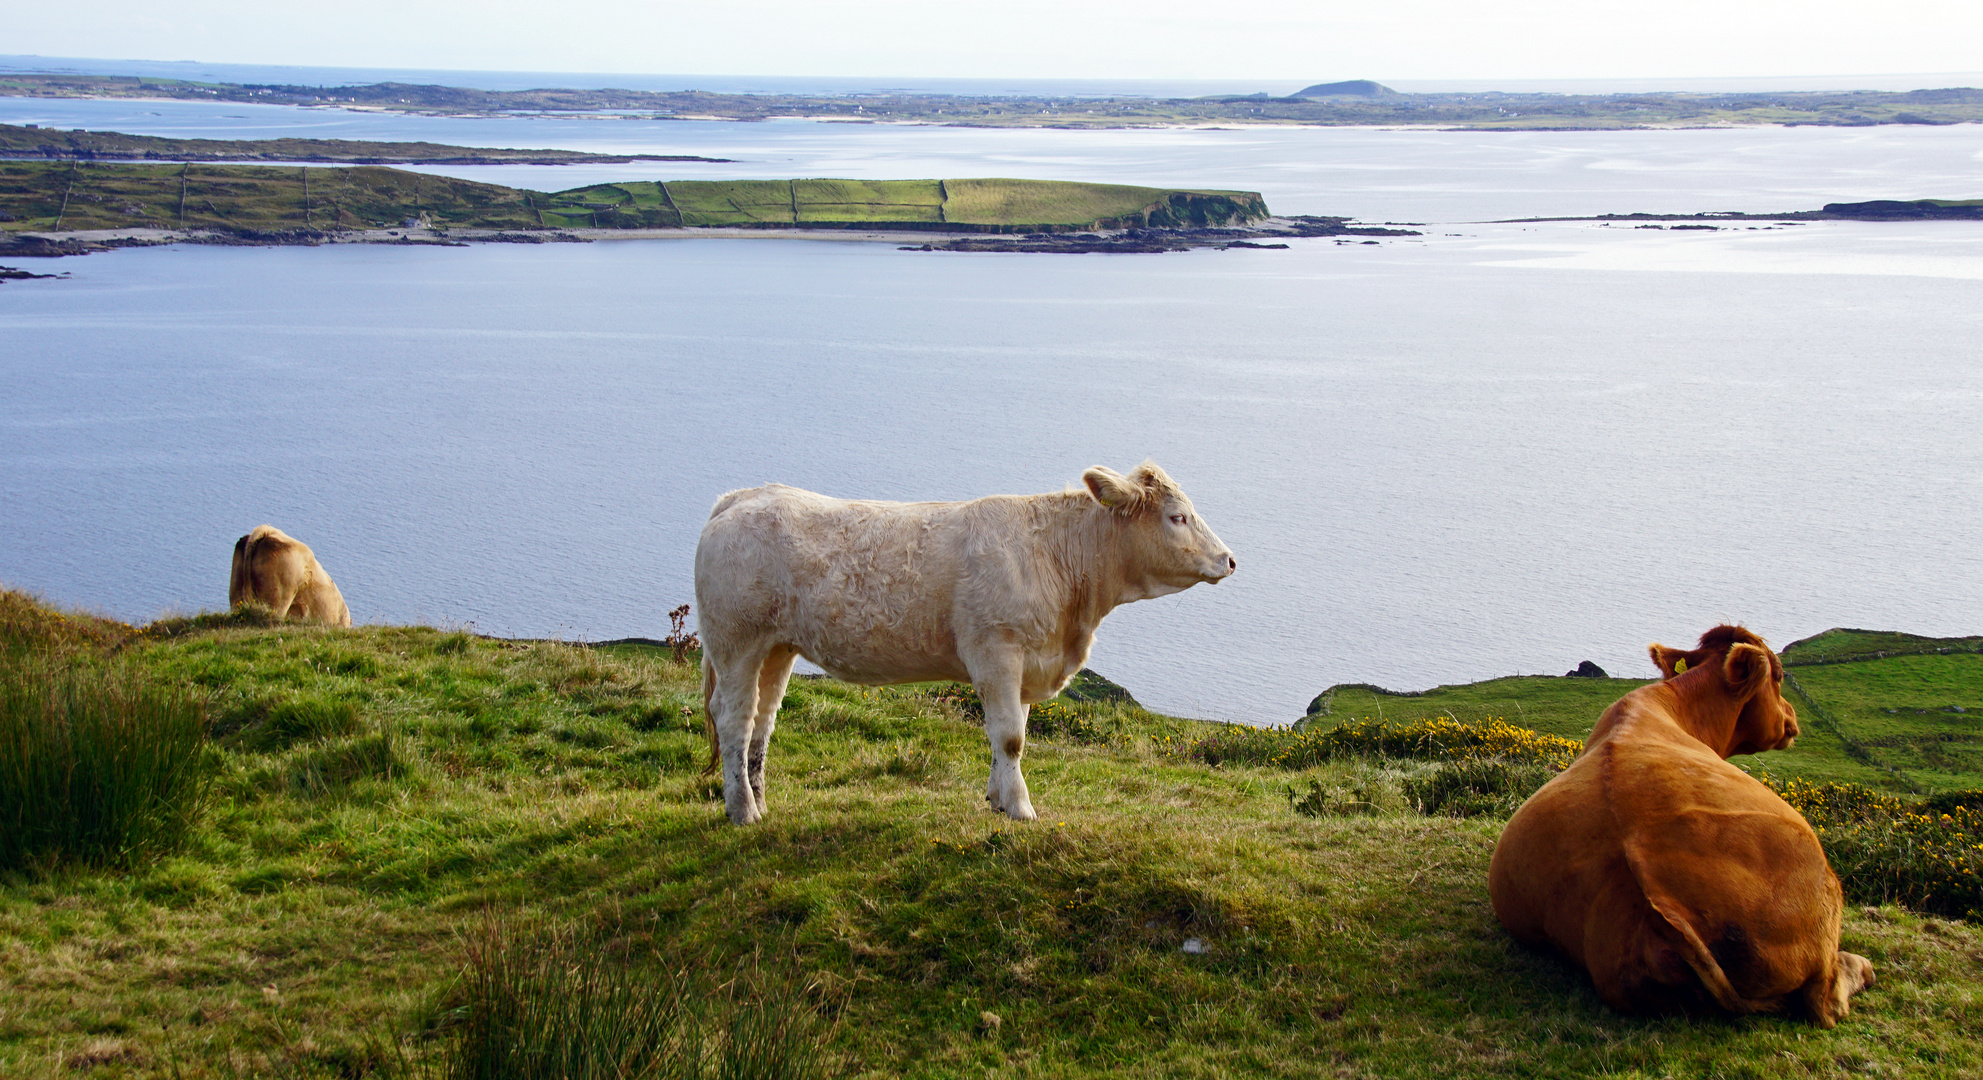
(1440, 739)
(1480, 787)
(1925, 854)
(96, 767)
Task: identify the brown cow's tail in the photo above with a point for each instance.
(1706, 968)
(709, 718)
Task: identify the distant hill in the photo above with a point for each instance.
(1916, 210)
(1352, 88)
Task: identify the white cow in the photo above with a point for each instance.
(1004, 591)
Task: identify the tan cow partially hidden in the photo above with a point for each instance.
(283, 573)
(1003, 591)
(1673, 877)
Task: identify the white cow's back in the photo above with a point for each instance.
(877, 592)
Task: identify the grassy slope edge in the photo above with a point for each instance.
(382, 788)
(67, 196)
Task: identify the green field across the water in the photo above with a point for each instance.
(67, 196)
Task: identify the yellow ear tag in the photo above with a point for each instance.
(1680, 665)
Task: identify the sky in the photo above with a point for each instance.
(1277, 42)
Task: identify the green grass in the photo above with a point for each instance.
(322, 920)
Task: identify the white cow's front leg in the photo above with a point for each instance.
(1005, 728)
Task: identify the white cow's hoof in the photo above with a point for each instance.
(1022, 812)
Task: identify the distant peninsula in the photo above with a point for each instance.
(74, 207)
(1340, 103)
(31, 141)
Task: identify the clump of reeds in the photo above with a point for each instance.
(557, 1004)
(96, 765)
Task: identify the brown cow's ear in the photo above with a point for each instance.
(1670, 662)
(1109, 488)
(1745, 666)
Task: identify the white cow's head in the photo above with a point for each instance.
(1167, 546)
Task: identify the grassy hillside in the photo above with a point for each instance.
(43, 197)
(1892, 711)
(47, 196)
(1906, 710)
(383, 796)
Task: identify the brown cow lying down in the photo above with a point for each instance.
(1005, 591)
(283, 573)
(1674, 878)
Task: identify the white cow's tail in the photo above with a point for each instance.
(709, 718)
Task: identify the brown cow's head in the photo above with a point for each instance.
(1170, 548)
(1732, 665)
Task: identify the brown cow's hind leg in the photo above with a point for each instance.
(1829, 996)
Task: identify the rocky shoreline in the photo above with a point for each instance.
(1262, 234)
(1156, 241)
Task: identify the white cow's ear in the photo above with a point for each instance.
(1109, 488)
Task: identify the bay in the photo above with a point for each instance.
(1486, 450)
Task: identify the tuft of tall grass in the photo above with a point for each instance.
(557, 1004)
(27, 625)
(96, 766)
(249, 614)
(278, 722)
(328, 767)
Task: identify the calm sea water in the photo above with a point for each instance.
(1493, 449)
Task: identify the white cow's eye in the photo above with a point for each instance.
(1177, 519)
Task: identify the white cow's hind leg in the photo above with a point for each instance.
(733, 708)
(1005, 728)
(771, 680)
